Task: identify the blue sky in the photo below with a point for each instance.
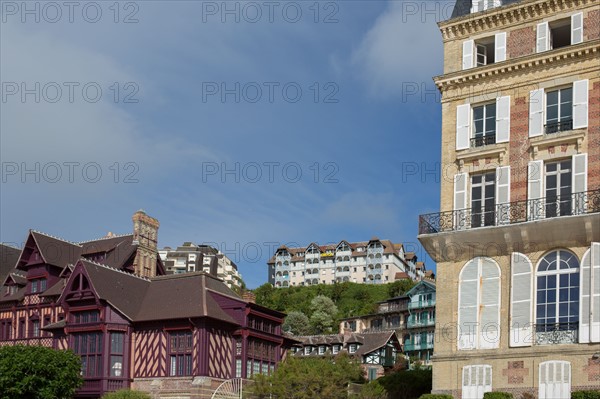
(243, 124)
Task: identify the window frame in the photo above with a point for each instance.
(179, 352)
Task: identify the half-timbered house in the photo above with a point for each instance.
(110, 302)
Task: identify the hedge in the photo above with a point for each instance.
(497, 395)
(585, 395)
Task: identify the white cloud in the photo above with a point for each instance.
(403, 46)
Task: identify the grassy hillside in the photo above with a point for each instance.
(351, 299)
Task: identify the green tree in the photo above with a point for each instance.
(126, 394)
(323, 314)
(296, 323)
(309, 378)
(36, 372)
(407, 384)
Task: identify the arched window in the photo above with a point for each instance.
(557, 294)
(479, 304)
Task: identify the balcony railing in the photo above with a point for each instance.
(556, 333)
(412, 323)
(421, 304)
(559, 126)
(411, 346)
(480, 141)
(511, 213)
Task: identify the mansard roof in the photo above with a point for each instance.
(463, 7)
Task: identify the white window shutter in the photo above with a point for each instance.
(500, 46)
(489, 325)
(503, 195)
(543, 37)
(468, 305)
(468, 56)
(577, 28)
(503, 119)
(579, 183)
(535, 189)
(536, 112)
(463, 116)
(580, 104)
(585, 297)
(460, 200)
(521, 332)
(595, 285)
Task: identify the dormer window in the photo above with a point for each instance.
(352, 348)
(481, 5)
(484, 51)
(307, 350)
(38, 285)
(321, 350)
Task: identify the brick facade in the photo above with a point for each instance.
(594, 138)
(591, 25)
(520, 42)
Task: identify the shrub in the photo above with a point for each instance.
(585, 395)
(497, 395)
(126, 394)
(435, 396)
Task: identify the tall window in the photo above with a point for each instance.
(116, 354)
(89, 348)
(557, 292)
(484, 125)
(180, 353)
(5, 329)
(35, 328)
(483, 199)
(558, 188)
(479, 305)
(559, 110)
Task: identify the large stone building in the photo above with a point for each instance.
(370, 262)
(197, 258)
(110, 301)
(517, 238)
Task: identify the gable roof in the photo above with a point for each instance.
(53, 250)
(374, 341)
(423, 284)
(8, 259)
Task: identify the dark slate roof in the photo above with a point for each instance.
(55, 251)
(17, 296)
(373, 341)
(463, 7)
(162, 298)
(105, 244)
(56, 289)
(182, 296)
(55, 326)
(123, 291)
(8, 259)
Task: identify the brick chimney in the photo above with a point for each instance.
(145, 233)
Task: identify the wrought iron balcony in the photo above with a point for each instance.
(480, 141)
(559, 126)
(556, 333)
(511, 213)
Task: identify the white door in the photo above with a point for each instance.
(555, 380)
(477, 380)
